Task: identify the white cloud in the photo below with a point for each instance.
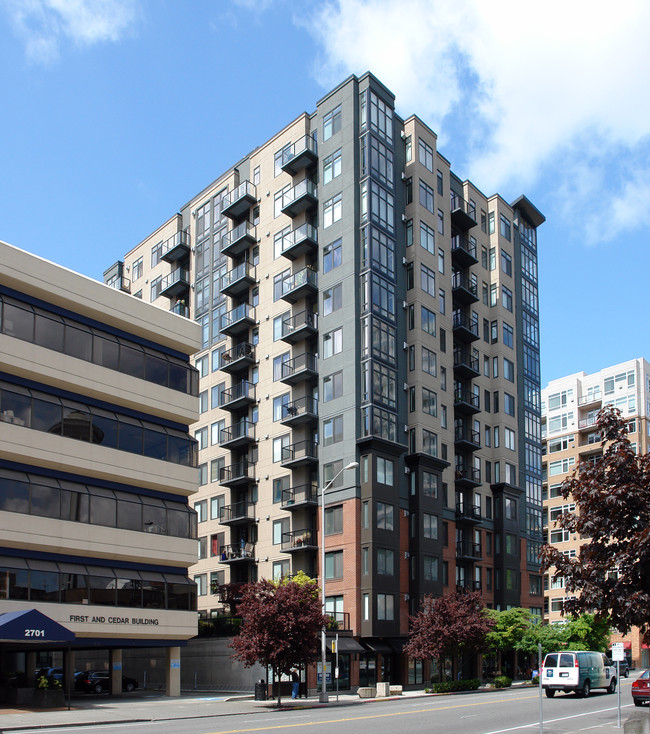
(520, 81)
(45, 24)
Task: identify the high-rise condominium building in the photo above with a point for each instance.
(359, 304)
(570, 407)
(96, 467)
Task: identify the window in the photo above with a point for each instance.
(332, 166)
(429, 443)
(201, 509)
(136, 270)
(430, 568)
(332, 210)
(427, 238)
(333, 430)
(408, 149)
(201, 436)
(201, 582)
(506, 298)
(504, 227)
(385, 562)
(508, 370)
(156, 287)
(428, 321)
(427, 280)
(429, 402)
(408, 191)
(430, 526)
(332, 256)
(408, 226)
(332, 386)
(384, 516)
(279, 445)
(280, 157)
(280, 403)
(334, 565)
(429, 362)
(332, 123)
(385, 471)
(426, 197)
(441, 222)
(440, 182)
(508, 335)
(385, 607)
(278, 365)
(279, 287)
(508, 404)
(281, 569)
(333, 520)
(333, 342)
(332, 473)
(430, 484)
(425, 152)
(280, 527)
(332, 299)
(506, 263)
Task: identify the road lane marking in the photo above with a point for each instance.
(554, 721)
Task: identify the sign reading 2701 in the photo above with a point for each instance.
(34, 633)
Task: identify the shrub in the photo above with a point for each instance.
(470, 684)
(535, 680)
(502, 681)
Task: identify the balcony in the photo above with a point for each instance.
(238, 320)
(304, 495)
(236, 203)
(180, 309)
(303, 410)
(238, 553)
(463, 289)
(238, 239)
(465, 364)
(176, 284)
(302, 284)
(300, 241)
(463, 251)
(301, 326)
(238, 358)
(299, 540)
(238, 396)
(465, 327)
(239, 435)
(300, 198)
(465, 513)
(466, 585)
(585, 424)
(468, 551)
(463, 216)
(237, 474)
(303, 153)
(303, 368)
(301, 453)
(239, 513)
(467, 439)
(176, 247)
(467, 476)
(466, 401)
(338, 622)
(593, 399)
(238, 280)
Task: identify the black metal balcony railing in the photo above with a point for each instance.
(463, 249)
(299, 326)
(240, 316)
(239, 511)
(301, 154)
(176, 283)
(238, 201)
(466, 549)
(463, 288)
(299, 368)
(299, 241)
(300, 410)
(240, 355)
(465, 585)
(468, 512)
(240, 471)
(296, 540)
(299, 453)
(237, 552)
(338, 621)
(468, 398)
(243, 431)
(176, 247)
(299, 198)
(463, 214)
(181, 309)
(299, 284)
(465, 326)
(242, 393)
(237, 279)
(471, 474)
(464, 434)
(303, 494)
(465, 362)
(238, 239)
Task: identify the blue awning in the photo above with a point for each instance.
(32, 626)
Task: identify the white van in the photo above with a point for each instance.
(577, 671)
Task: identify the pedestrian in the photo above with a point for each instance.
(295, 683)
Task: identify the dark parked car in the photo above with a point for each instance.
(641, 688)
(97, 681)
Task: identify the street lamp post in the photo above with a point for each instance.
(323, 687)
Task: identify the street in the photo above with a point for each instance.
(510, 710)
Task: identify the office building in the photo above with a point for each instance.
(359, 303)
(570, 407)
(96, 468)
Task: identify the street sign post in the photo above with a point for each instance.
(618, 654)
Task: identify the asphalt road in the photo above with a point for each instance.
(513, 710)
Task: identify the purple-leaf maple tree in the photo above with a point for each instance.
(611, 573)
(281, 625)
(448, 625)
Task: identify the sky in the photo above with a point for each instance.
(115, 113)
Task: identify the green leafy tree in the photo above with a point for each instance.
(611, 575)
(281, 625)
(510, 625)
(551, 636)
(587, 632)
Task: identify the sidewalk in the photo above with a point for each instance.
(145, 706)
